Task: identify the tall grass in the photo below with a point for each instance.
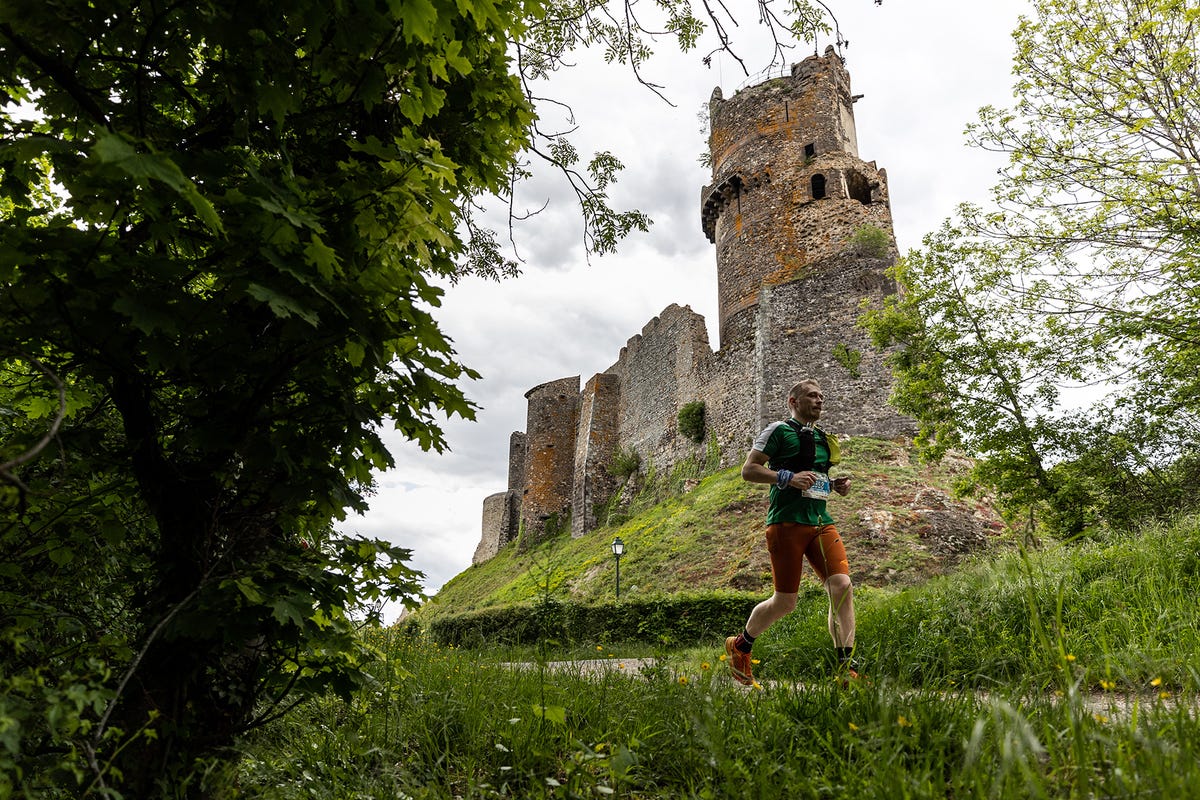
(1064, 675)
(1122, 612)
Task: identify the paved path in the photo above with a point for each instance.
(1120, 704)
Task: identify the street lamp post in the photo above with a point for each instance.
(618, 548)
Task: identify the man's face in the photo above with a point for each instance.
(807, 406)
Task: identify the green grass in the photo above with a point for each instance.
(707, 537)
(1061, 674)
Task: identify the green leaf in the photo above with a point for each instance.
(249, 590)
(555, 714)
(282, 305)
(321, 256)
(291, 609)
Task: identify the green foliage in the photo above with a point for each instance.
(1082, 274)
(1121, 609)
(848, 358)
(681, 619)
(691, 420)
(976, 365)
(233, 280)
(1011, 680)
(871, 241)
(624, 463)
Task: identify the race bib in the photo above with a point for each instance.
(820, 489)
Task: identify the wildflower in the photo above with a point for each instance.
(853, 727)
(1156, 682)
(610, 655)
(1107, 686)
(1100, 718)
(620, 666)
(756, 685)
(600, 647)
(1164, 695)
(683, 681)
(706, 666)
(755, 661)
(722, 657)
(1070, 657)
(903, 722)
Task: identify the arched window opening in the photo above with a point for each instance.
(818, 186)
(858, 188)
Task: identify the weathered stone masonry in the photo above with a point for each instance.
(788, 194)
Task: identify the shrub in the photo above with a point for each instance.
(679, 619)
(691, 421)
(870, 241)
(624, 463)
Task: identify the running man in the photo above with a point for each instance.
(794, 456)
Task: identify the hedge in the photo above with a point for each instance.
(679, 619)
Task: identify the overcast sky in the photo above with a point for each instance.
(923, 68)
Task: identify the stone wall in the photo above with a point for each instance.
(549, 458)
(660, 371)
(807, 329)
(495, 507)
(595, 443)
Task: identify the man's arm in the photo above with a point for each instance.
(755, 470)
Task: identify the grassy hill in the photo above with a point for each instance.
(900, 523)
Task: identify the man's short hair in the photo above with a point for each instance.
(797, 389)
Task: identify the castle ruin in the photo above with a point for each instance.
(803, 233)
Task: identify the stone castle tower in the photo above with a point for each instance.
(803, 231)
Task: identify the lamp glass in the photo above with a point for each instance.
(618, 547)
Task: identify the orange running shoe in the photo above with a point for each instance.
(739, 663)
(847, 675)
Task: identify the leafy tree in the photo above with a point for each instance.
(223, 225)
(232, 278)
(1083, 274)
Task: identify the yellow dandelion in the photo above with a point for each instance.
(756, 685)
(722, 657)
(610, 655)
(600, 647)
(1156, 682)
(1163, 695)
(853, 727)
(1100, 718)
(683, 681)
(903, 722)
(706, 666)
(755, 661)
(1107, 686)
(620, 666)
(1070, 657)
